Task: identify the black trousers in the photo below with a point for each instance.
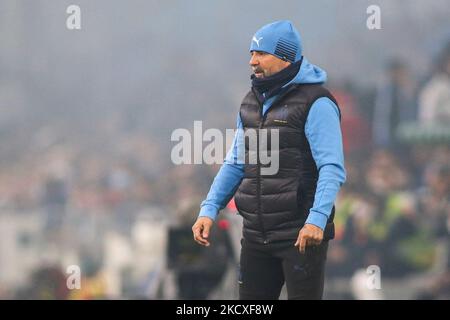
(264, 268)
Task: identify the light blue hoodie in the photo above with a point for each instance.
(323, 132)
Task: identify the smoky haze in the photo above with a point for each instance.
(154, 66)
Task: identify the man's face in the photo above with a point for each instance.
(264, 64)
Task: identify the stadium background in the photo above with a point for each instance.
(85, 124)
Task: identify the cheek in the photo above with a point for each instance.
(267, 71)
(265, 65)
(272, 68)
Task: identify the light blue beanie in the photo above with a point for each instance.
(280, 39)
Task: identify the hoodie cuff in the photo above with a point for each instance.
(318, 219)
(208, 211)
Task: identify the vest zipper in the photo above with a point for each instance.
(258, 163)
(258, 175)
(258, 185)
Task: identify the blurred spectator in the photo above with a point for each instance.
(385, 174)
(404, 244)
(394, 104)
(198, 270)
(47, 283)
(54, 200)
(355, 128)
(435, 97)
(434, 198)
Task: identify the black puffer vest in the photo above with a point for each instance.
(275, 207)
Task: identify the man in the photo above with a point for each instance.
(288, 216)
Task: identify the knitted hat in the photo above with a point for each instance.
(280, 39)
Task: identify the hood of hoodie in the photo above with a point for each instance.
(309, 73)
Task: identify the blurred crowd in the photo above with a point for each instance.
(90, 198)
(394, 210)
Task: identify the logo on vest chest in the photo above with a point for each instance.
(280, 115)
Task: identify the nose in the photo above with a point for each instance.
(253, 60)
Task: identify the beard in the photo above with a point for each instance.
(259, 73)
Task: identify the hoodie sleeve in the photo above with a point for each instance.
(324, 135)
(227, 179)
